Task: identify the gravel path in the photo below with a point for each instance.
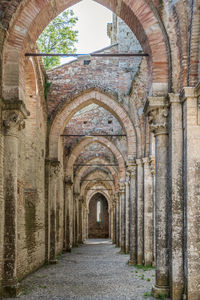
(91, 271)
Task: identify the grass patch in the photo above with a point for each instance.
(148, 279)
(42, 286)
(144, 268)
(147, 294)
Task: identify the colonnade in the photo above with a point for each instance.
(154, 214)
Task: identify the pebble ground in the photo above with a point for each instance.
(95, 270)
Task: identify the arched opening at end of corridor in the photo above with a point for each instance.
(98, 217)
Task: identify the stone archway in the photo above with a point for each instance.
(98, 217)
(25, 31)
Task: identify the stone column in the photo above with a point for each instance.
(80, 240)
(68, 192)
(111, 221)
(131, 168)
(13, 122)
(127, 219)
(87, 213)
(117, 220)
(157, 110)
(176, 203)
(148, 213)
(53, 176)
(114, 222)
(122, 215)
(140, 212)
(152, 168)
(191, 182)
(75, 214)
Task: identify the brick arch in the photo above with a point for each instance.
(82, 101)
(32, 17)
(101, 174)
(87, 193)
(101, 140)
(94, 160)
(100, 192)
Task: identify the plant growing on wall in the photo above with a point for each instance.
(58, 37)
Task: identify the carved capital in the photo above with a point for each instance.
(68, 180)
(145, 161)
(122, 187)
(152, 164)
(13, 122)
(138, 162)
(81, 199)
(156, 108)
(55, 168)
(131, 168)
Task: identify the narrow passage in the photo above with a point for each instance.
(95, 270)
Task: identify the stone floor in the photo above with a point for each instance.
(94, 270)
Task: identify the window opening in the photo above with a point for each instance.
(99, 215)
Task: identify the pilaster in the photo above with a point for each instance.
(127, 217)
(176, 197)
(122, 215)
(140, 209)
(13, 121)
(68, 183)
(148, 213)
(55, 168)
(131, 169)
(190, 98)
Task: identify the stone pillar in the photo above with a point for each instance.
(152, 167)
(87, 214)
(131, 168)
(122, 216)
(111, 221)
(157, 110)
(53, 176)
(148, 213)
(176, 203)
(76, 221)
(117, 220)
(68, 192)
(114, 222)
(80, 240)
(140, 212)
(13, 122)
(191, 182)
(127, 219)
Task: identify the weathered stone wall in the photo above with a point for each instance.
(95, 229)
(31, 188)
(1, 196)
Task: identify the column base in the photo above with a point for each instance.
(11, 291)
(53, 261)
(161, 291)
(131, 262)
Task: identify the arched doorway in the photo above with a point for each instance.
(98, 217)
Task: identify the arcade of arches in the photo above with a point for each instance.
(112, 150)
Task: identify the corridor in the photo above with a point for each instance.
(94, 270)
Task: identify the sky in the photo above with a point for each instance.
(91, 26)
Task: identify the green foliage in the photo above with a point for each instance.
(58, 37)
(144, 268)
(47, 86)
(160, 296)
(147, 294)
